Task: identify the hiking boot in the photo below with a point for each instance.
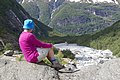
(57, 65)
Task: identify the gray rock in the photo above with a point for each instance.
(1, 44)
(22, 70)
(108, 71)
(26, 71)
(9, 53)
(17, 52)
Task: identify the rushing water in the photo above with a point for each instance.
(86, 56)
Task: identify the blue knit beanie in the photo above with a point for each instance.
(28, 24)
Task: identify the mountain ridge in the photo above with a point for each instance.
(79, 18)
(95, 1)
(12, 16)
(107, 39)
(73, 17)
(81, 1)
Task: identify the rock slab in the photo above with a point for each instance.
(110, 70)
(26, 71)
(22, 70)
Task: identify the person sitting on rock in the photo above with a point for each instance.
(33, 49)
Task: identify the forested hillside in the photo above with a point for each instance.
(73, 18)
(77, 14)
(83, 18)
(41, 9)
(12, 16)
(108, 38)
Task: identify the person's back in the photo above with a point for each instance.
(28, 49)
(33, 49)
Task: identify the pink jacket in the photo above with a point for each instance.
(28, 44)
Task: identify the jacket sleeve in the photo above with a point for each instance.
(33, 40)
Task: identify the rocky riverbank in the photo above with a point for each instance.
(86, 56)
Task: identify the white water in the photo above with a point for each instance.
(86, 56)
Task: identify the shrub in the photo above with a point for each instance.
(8, 46)
(68, 54)
(47, 61)
(20, 57)
(55, 51)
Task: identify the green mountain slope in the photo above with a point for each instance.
(83, 18)
(73, 18)
(108, 38)
(39, 10)
(12, 16)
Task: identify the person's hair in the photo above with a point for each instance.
(26, 29)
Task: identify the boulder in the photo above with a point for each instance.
(110, 70)
(1, 44)
(9, 52)
(11, 70)
(22, 70)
